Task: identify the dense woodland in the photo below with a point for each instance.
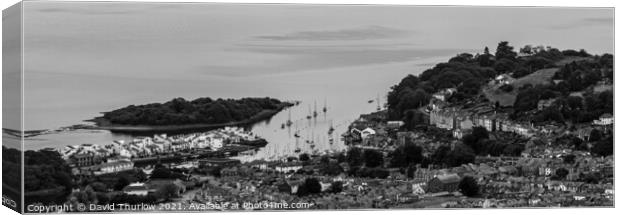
(202, 110)
(469, 73)
(45, 169)
(11, 167)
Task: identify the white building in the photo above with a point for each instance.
(139, 189)
(367, 132)
(113, 167)
(605, 119)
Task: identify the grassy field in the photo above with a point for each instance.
(493, 93)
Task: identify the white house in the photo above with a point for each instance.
(395, 124)
(367, 132)
(444, 94)
(216, 142)
(126, 153)
(139, 189)
(502, 79)
(605, 119)
(417, 188)
(288, 167)
(112, 167)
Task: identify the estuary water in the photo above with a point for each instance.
(81, 59)
(345, 92)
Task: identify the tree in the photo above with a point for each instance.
(215, 171)
(480, 133)
(355, 156)
(603, 147)
(140, 176)
(284, 188)
(406, 155)
(373, 158)
(202, 110)
(310, 186)
(504, 65)
(331, 169)
(595, 135)
(505, 51)
(410, 171)
(121, 183)
(461, 154)
(304, 157)
(470, 87)
(569, 159)
(99, 186)
(414, 118)
(410, 99)
(468, 186)
(590, 178)
(336, 187)
(526, 49)
(474, 140)
(561, 173)
(484, 59)
(161, 172)
(462, 58)
(168, 191)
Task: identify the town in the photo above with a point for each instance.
(501, 135)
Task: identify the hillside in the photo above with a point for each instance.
(493, 91)
(575, 85)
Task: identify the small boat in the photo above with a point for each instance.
(296, 134)
(288, 121)
(309, 113)
(315, 113)
(297, 150)
(331, 128)
(331, 140)
(371, 101)
(325, 106)
(283, 126)
(378, 103)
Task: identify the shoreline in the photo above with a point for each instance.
(104, 124)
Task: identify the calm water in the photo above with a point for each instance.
(84, 58)
(344, 91)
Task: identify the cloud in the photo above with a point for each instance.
(86, 11)
(585, 22)
(363, 33)
(599, 20)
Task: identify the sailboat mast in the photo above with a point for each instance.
(378, 102)
(325, 106)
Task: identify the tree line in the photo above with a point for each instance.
(202, 110)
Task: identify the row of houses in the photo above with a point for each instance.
(92, 154)
(461, 122)
(509, 186)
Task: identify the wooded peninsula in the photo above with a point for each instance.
(180, 114)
